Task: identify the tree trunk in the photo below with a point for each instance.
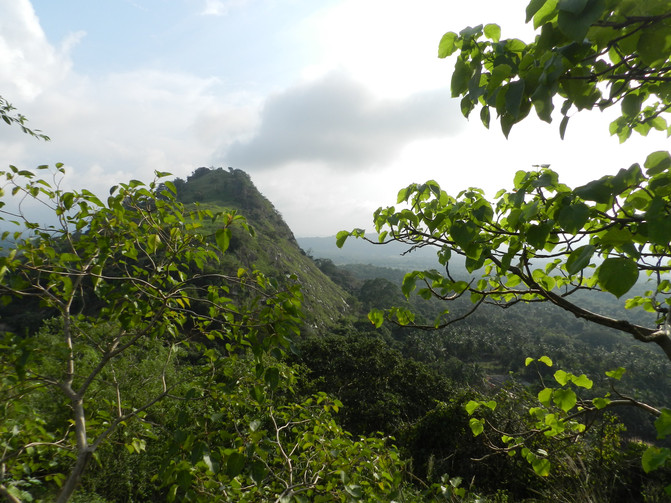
(84, 451)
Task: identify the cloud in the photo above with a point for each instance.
(338, 122)
(125, 124)
(108, 126)
(28, 63)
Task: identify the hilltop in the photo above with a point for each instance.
(273, 249)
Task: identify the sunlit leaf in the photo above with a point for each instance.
(565, 399)
(616, 374)
(477, 426)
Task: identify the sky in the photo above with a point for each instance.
(331, 106)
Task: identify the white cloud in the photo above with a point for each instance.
(28, 62)
(109, 127)
(132, 123)
(339, 123)
(361, 121)
(392, 46)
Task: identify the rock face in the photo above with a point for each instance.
(273, 249)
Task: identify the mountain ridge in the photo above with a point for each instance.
(273, 249)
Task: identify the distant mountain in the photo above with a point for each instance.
(274, 249)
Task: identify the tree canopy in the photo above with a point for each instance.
(590, 53)
(541, 240)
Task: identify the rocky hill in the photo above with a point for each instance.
(273, 249)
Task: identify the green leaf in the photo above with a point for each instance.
(572, 218)
(72, 257)
(514, 96)
(541, 466)
(660, 185)
(472, 406)
(463, 233)
(272, 377)
(477, 426)
(532, 8)
(507, 123)
(546, 360)
(493, 32)
(562, 126)
(616, 374)
(223, 238)
(447, 45)
(543, 280)
(572, 6)
(565, 399)
(562, 377)
(599, 191)
(582, 381)
(617, 275)
(601, 403)
(545, 13)
(376, 317)
(544, 396)
(258, 472)
(67, 200)
(657, 162)
(542, 101)
(616, 236)
(484, 116)
(96, 271)
(654, 45)
(499, 74)
(354, 491)
(153, 242)
(631, 104)
(579, 259)
(663, 424)
(654, 458)
(235, 464)
(576, 24)
(462, 74)
(341, 237)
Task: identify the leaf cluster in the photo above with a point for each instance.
(118, 274)
(11, 117)
(589, 53)
(542, 241)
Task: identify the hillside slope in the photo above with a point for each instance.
(274, 249)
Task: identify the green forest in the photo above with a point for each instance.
(173, 341)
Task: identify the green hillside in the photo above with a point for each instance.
(273, 249)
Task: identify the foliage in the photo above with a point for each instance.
(115, 274)
(271, 248)
(261, 442)
(559, 422)
(591, 53)
(542, 241)
(381, 389)
(8, 114)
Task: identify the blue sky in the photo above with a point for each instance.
(331, 106)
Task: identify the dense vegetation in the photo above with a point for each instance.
(173, 342)
(392, 382)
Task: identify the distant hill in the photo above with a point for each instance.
(274, 249)
(357, 251)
